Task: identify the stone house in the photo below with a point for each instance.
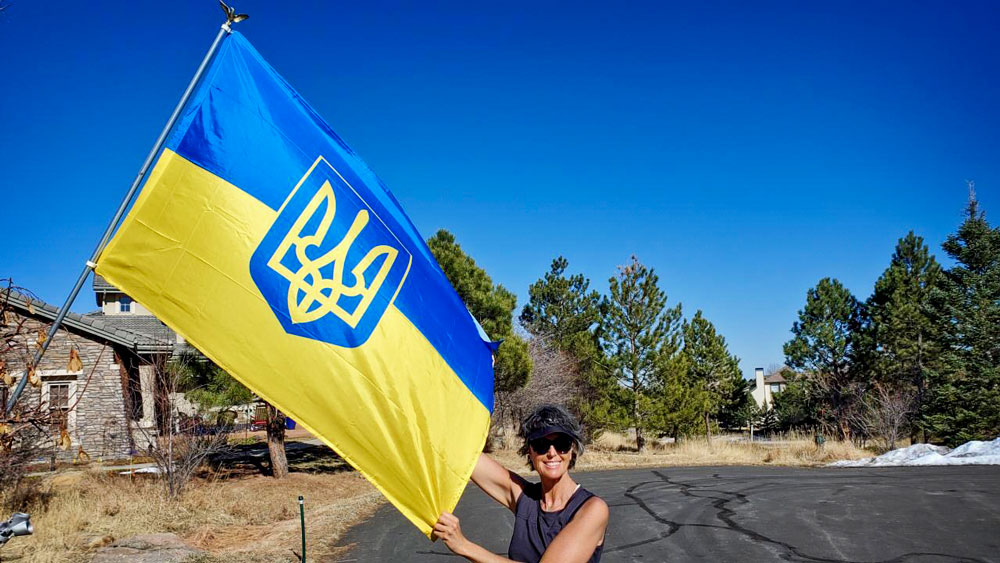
(114, 402)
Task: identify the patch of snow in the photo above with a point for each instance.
(141, 470)
(863, 462)
(977, 448)
(970, 453)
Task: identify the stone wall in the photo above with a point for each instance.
(97, 423)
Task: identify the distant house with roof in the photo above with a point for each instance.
(117, 391)
(765, 387)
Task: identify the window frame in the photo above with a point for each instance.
(68, 378)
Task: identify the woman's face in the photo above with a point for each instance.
(553, 461)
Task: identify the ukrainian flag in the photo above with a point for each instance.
(270, 246)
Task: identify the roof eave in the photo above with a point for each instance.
(38, 308)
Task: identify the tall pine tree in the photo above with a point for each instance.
(905, 342)
(824, 346)
(963, 402)
(562, 307)
(676, 400)
(795, 407)
(712, 368)
(639, 331)
(563, 310)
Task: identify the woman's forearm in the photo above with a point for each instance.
(479, 554)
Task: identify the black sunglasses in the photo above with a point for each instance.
(562, 442)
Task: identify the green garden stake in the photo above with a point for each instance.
(302, 521)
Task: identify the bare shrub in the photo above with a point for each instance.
(21, 443)
(842, 401)
(26, 431)
(884, 412)
(554, 380)
(182, 444)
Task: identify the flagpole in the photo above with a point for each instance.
(92, 262)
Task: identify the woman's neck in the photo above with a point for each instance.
(555, 494)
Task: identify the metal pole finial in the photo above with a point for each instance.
(231, 16)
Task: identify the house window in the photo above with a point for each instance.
(125, 304)
(58, 402)
(775, 387)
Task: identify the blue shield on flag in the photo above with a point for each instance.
(329, 266)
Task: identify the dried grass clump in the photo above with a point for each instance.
(790, 452)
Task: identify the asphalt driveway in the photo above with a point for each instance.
(901, 514)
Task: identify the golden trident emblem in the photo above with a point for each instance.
(310, 295)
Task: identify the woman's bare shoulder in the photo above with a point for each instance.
(595, 508)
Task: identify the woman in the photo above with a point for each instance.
(555, 519)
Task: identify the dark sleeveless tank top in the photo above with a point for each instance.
(534, 529)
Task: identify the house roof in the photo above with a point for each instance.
(775, 378)
(101, 285)
(144, 334)
(146, 326)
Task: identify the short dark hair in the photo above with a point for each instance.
(550, 416)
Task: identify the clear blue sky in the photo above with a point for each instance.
(743, 150)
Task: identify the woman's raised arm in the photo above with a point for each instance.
(500, 483)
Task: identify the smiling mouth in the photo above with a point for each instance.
(553, 464)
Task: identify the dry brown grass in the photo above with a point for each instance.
(616, 451)
(252, 518)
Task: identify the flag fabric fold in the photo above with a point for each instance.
(269, 245)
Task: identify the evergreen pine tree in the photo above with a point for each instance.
(963, 400)
(824, 346)
(739, 397)
(749, 416)
(566, 312)
(795, 407)
(639, 331)
(769, 422)
(904, 340)
(207, 385)
(675, 401)
(712, 368)
(562, 307)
